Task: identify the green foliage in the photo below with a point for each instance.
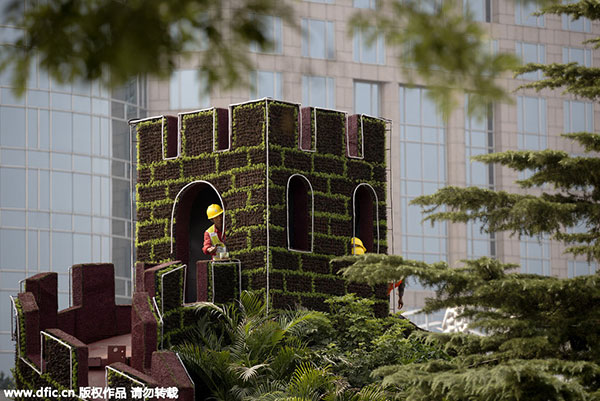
(356, 342)
(542, 332)
(353, 320)
(236, 349)
(90, 38)
(572, 202)
(22, 345)
(241, 353)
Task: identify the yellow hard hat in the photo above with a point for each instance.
(357, 246)
(213, 211)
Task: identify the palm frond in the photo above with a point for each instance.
(247, 373)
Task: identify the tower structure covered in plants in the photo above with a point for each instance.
(296, 185)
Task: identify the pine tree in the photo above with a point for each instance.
(542, 337)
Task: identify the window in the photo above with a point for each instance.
(12, 187)
(578, 116)
(523, 14)
(479, 243)
(479, 139)
(300, 210)
(317, 39)
(531, 53)
(429, 6)
(188, 91)
(531, 125)
(366, 98)
(273, 34)
(579, 25)
(576, 55)
(366, 51)
(535, 255)
(365, 222)
(318, 91)
(422, 172)
(265, 84)
(12, 120)
(372, 4)
(480, 10)
(581, 268)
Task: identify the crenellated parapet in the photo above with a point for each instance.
(68, 349)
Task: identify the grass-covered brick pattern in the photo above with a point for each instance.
(58, 373)
(57, 357)
(240, 176)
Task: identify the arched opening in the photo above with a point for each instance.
(299, 213)
(191, 222)
(365, 219)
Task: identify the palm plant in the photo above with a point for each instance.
(236, 349)
(312, 383)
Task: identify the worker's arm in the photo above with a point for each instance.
(208, 247)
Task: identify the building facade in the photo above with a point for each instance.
(65, 154)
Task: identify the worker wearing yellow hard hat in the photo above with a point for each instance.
(357, 246)
(214, 237)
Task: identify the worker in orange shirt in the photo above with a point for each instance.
(359, 249)
(214, 237)
(400, 285)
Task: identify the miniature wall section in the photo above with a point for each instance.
(59, 338)
(168, 371)
(29, 327)
(159, 314)
(65, 364)
(265, 139)
(66, 359)
(93, 296)
(145, 330)
(44, 288)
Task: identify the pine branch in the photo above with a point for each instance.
(576, 79)
(499, 210)
(585, 8)
(551, 167)
(590, 141)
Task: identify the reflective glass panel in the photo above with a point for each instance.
(62, 192)
(12, 126)
(12, 187)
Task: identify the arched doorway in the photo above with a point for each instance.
(366, 219)
(300, 213)
(190, 221)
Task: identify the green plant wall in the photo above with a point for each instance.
(240, 176)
